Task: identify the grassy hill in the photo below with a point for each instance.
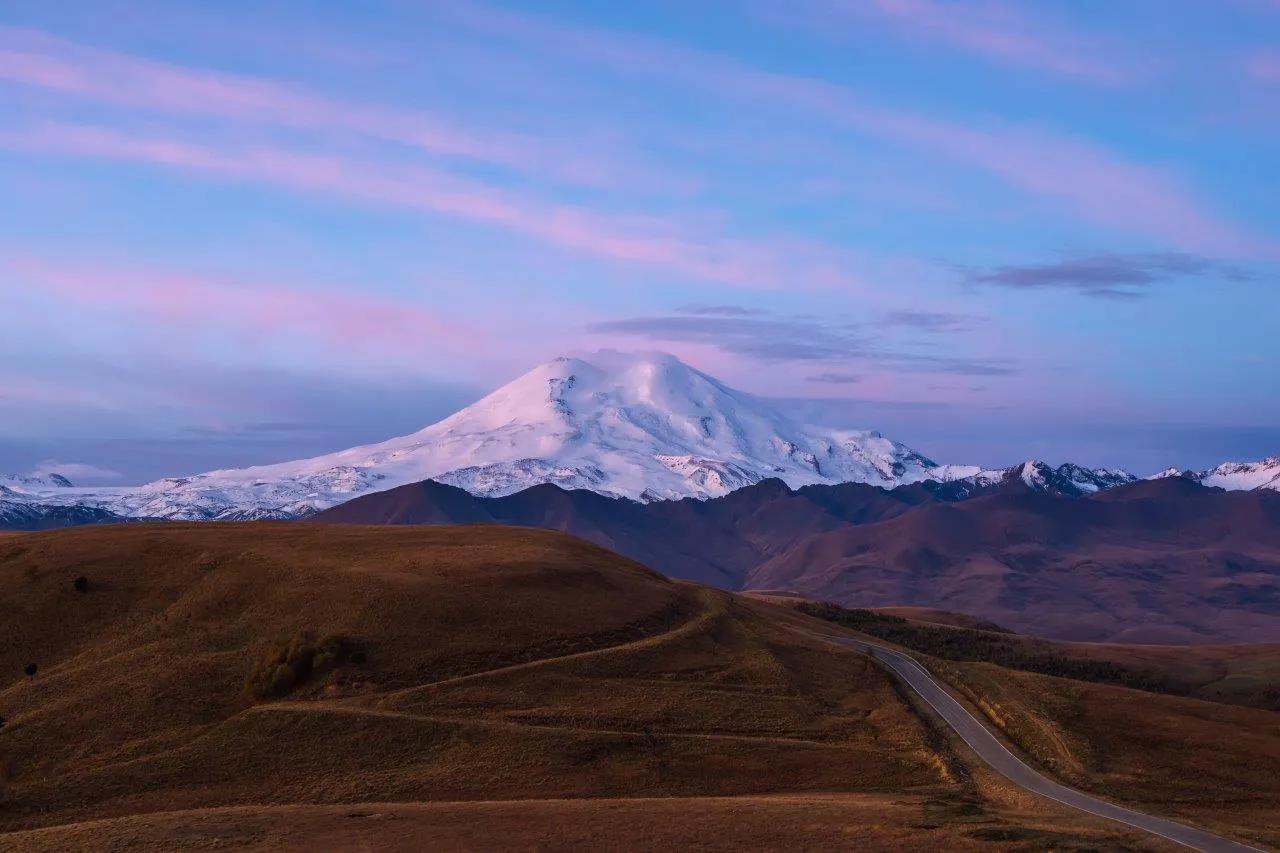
(1070, 709)
(282, 685)
(1242, 674)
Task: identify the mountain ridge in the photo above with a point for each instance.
(644, 426)
(1163, 561)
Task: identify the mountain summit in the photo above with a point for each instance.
(1234, 476)
(648, 427)
(642, 426)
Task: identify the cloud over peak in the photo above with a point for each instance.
(805, 339)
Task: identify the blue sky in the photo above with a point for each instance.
(238, 232)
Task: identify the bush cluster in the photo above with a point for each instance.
(967, 644)
(304, 657)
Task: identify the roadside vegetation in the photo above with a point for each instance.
(1029, 654)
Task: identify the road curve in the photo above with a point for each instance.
(992, 751)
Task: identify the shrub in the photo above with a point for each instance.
(287, 667)
(968, 644)
(81, 584)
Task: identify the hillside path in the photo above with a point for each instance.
(993, 752)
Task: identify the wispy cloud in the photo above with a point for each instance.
(1001, 32)
(835, 378)
(42, 61)
(699, 310)
(255, 312)
(666, 244)
(950, 365)
(930, 321)
(1088, 179)
(1107, 276)
(765, 338)
(796, 339)
(75, 471)
(1264, 66)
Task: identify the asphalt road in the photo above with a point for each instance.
(990, 750)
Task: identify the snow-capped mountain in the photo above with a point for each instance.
(1068, 479)
(20, 483)
(641, 426)
(1234, 476)
(24, 514)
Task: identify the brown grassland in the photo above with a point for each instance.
(282, 686)
(1203, 762)
(1241, 674)
(1206, 763)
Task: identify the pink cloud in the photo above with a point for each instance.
(259, 313)
(1265, 66)
(41, 61)
(647, 241)
(995, 30)
(1090, 180)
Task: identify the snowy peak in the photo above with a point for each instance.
(647, 426)
(1036, 476)
(644, 426)
(1245, 475)
(1234, 476)
(23, 482)
(1089, 480)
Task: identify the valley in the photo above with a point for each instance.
(752, 642)
(473, 669)
(1163, 561)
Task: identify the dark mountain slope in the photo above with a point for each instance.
(715, 541)
(21, 515)
(1154, 561)
(1163, 561)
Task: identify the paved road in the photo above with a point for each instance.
(990, 750)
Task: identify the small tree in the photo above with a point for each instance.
(30, 670)
(81, 584)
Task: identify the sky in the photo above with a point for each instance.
(236, 232)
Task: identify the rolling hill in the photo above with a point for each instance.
(440, 664)
(288, 686)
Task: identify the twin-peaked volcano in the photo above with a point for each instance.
(647, 427)
(641, 426)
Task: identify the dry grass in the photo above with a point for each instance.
(1207, 763)
(515, 687)
(1247, 675)
(816, 822)
(1236, 674)
(1210, 764)
(499, 664)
